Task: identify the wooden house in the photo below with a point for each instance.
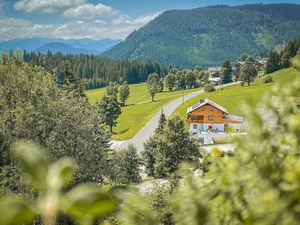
(209, 116)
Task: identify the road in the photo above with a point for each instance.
(147, 131)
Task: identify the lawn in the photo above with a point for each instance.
(138, 110)
(232, 97)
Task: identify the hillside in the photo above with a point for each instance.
(139, 108)
(209, 35)
(233, 97)
(85, 45)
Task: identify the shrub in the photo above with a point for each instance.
(209, 88)
(268, 79)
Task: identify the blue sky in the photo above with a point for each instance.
(96, 19)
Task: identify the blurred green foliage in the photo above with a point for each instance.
(84, 203)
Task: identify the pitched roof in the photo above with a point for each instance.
(214, 69)
(206, 101)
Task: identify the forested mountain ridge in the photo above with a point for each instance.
(206, 36)
(94, 71)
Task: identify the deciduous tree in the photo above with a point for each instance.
(124, 92)
(153, 85)
(248, 73)
(109, 110)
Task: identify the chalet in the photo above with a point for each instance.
(261, 64)
(208, 116)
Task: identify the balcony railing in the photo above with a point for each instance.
(194, 121)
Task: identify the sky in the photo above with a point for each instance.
(94, 19)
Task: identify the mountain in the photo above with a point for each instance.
(55, 47)
(207, 36)
(86, 45)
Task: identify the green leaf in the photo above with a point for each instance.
(33, 162)
(60, 173)
(15, 211)
(90, 201)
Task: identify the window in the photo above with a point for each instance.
(195, 126)
(211, 108)
(202, 108)
(197, 117)
(210, 118)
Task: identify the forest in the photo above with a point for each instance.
(95, 71)
(207, 36)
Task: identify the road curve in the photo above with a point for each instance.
(147, 131)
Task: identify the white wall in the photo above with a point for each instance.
(219, 127)
(204, 127)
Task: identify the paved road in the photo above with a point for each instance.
(147, 131)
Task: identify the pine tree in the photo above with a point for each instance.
(227, 72)
(112, 89)
(273, 62)
(165, 151)
(161, 123)
(161, 85)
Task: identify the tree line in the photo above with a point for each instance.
(279, 59)
(95, 71)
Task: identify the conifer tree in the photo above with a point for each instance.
(161, 85)
(227, 72)
(166, 150)
(161, 122)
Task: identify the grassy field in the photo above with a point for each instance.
(232, 97)
(138, 110)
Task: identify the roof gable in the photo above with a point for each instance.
(206, 101)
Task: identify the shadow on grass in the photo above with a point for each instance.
(121, 132)
(127, 105)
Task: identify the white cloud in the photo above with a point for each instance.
(91, 11)
(46, 6)
(11, 28)
(84, 21)
(140, 21)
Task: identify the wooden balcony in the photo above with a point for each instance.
(194, 121)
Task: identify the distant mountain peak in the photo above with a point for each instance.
(86, 45)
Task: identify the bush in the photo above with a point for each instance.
(268, 79)
(209, 88)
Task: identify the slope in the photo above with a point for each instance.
(232, 98)
(207, 36)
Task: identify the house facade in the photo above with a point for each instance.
(214, 74)
(209, 116)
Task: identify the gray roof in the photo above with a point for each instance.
(206, 101)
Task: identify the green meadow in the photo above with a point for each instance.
(138, 110)
(233, 97)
